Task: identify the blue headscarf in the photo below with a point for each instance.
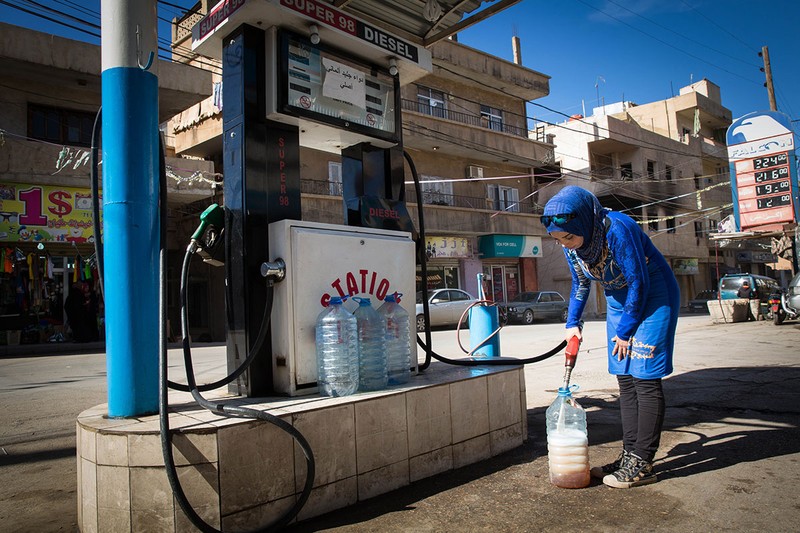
(588, 222)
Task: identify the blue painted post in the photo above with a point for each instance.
(483, 321)
(130, 204)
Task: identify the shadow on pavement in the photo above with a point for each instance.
(733, 415)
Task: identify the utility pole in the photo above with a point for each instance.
(767, 70)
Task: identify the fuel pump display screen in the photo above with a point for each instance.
(323, 85)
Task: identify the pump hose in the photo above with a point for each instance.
(220, 409)
(426, 344)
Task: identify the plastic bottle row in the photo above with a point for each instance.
(365, 350)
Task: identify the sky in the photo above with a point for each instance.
(646, 50)
(596, 51)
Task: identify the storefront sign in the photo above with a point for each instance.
(43, 213)
(685, 267)
(754, 257)
(510, 246)
(447, 247)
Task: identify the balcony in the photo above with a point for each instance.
(470, 136)
(322, 202)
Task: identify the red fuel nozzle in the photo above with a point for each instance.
(572, 351)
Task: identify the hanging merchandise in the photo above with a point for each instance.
(337, 350)
(567, 441)
(373, 368)
(398, 339)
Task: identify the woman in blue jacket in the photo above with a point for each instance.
(642, 312)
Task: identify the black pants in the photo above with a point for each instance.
(641, 405)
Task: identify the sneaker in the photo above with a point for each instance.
(633, 474)
(602, 471)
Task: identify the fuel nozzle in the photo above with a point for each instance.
(571, 357)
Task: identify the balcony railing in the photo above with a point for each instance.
(470, 119)
(325, 188)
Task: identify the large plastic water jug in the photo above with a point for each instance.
(337, 350)
(398, 339)
(373, 367)
(567, 442)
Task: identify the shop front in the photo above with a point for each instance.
(48, 284)
(509, 264)
(445, 261)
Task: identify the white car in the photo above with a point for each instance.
(445, 307)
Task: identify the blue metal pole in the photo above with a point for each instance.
(130, 204)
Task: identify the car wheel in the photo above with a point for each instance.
(527, 317)
(564, 315)
(421, 323)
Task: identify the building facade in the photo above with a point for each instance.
(50, 102)
(663, 163)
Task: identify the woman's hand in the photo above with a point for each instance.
(573, 332)
(621, 349)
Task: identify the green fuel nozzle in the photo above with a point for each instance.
(208, 234)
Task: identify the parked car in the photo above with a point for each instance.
(698, 304)
(762, 287)
(445, 307)
(785, 304)
(528, 306)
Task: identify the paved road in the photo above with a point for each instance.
(728, 460)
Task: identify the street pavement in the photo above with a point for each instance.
(728, 459)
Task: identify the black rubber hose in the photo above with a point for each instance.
(426, 344)
(218, 408)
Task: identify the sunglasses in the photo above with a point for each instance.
(557, 219)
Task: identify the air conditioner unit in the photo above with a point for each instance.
(474, 172)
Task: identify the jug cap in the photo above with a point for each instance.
(362, 302)
(568, 391)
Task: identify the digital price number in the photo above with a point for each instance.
(766, 189)
(771, 161)
(772, 174)
(774, 201)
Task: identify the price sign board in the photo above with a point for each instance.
(763, 171)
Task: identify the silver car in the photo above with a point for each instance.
(445, 307)
(529, 306)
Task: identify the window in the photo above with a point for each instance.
(430, 101)
(685, 134)
(651, 170)
(698, 229)
(670, 225)
(335, 178)
(652, 223)
(436, 190)
(626, 171)
(668, 173)
(503, 198)
(60, 126)
(492, 118)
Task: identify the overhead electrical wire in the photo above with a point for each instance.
(682, 36)
(667, 43)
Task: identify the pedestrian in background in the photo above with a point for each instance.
(643, 301)
(745, 291)
(76, 309)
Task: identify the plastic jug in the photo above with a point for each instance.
(567, 441)
(337, 350)
(372, 367)
(398, 339)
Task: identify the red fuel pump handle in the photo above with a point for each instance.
(571, 352)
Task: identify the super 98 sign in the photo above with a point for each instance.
(763, 171)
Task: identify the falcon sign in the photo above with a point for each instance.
(764, 186)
